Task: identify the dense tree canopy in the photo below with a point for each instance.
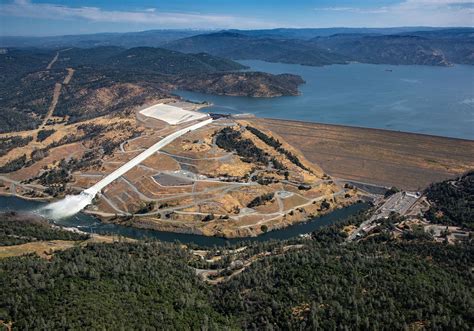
(110, 287)
(18, 229)
(452, 201)
(374, 284)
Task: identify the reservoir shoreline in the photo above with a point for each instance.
(429, 100)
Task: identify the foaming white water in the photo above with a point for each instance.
(72, 204)
(69, 206)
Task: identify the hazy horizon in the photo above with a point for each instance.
(219, 30)
(59, 17)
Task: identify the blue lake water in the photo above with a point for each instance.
(420, 99)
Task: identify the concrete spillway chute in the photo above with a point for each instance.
(73, 204)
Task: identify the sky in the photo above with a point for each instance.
(59, 17)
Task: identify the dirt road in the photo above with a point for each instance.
(52, 106)
(57, 92)
(50, 64)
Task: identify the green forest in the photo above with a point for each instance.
(377, 284)
(16, 229)
(26, 88)
(231, 140)
(452, 201)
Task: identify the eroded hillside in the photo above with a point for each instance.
(231, 178)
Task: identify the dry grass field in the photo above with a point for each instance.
(389, 158)
(46, 249)
(220, 187)
(228, 192)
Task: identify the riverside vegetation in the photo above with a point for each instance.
(364, 286)
(407, 283)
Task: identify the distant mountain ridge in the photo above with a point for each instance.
(314, 47)
(239, 46)
(438, 47)
(150, 38)
(156, 38)
(309, 33)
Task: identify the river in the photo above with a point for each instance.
(420, 99)
(90, 224)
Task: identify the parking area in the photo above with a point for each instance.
(399, 203)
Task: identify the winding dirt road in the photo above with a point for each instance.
(93, 190)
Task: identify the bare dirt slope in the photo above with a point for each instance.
(389, 158)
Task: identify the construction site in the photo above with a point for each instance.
(185, 171)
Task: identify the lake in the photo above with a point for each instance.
(421, 99)
(90, 224)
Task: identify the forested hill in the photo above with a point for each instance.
(139, 59)
(110, 79)
(243, 47)
(317, 284)
(171, 62)
(432, 47)
(17, 62)
(452, 201)
(404, 45)
(440, 48)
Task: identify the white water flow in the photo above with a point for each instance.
(72, 204)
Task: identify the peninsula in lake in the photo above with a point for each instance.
(226, 176)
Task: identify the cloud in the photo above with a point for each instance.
(411, 12)
(438, 2)
(26, 8)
